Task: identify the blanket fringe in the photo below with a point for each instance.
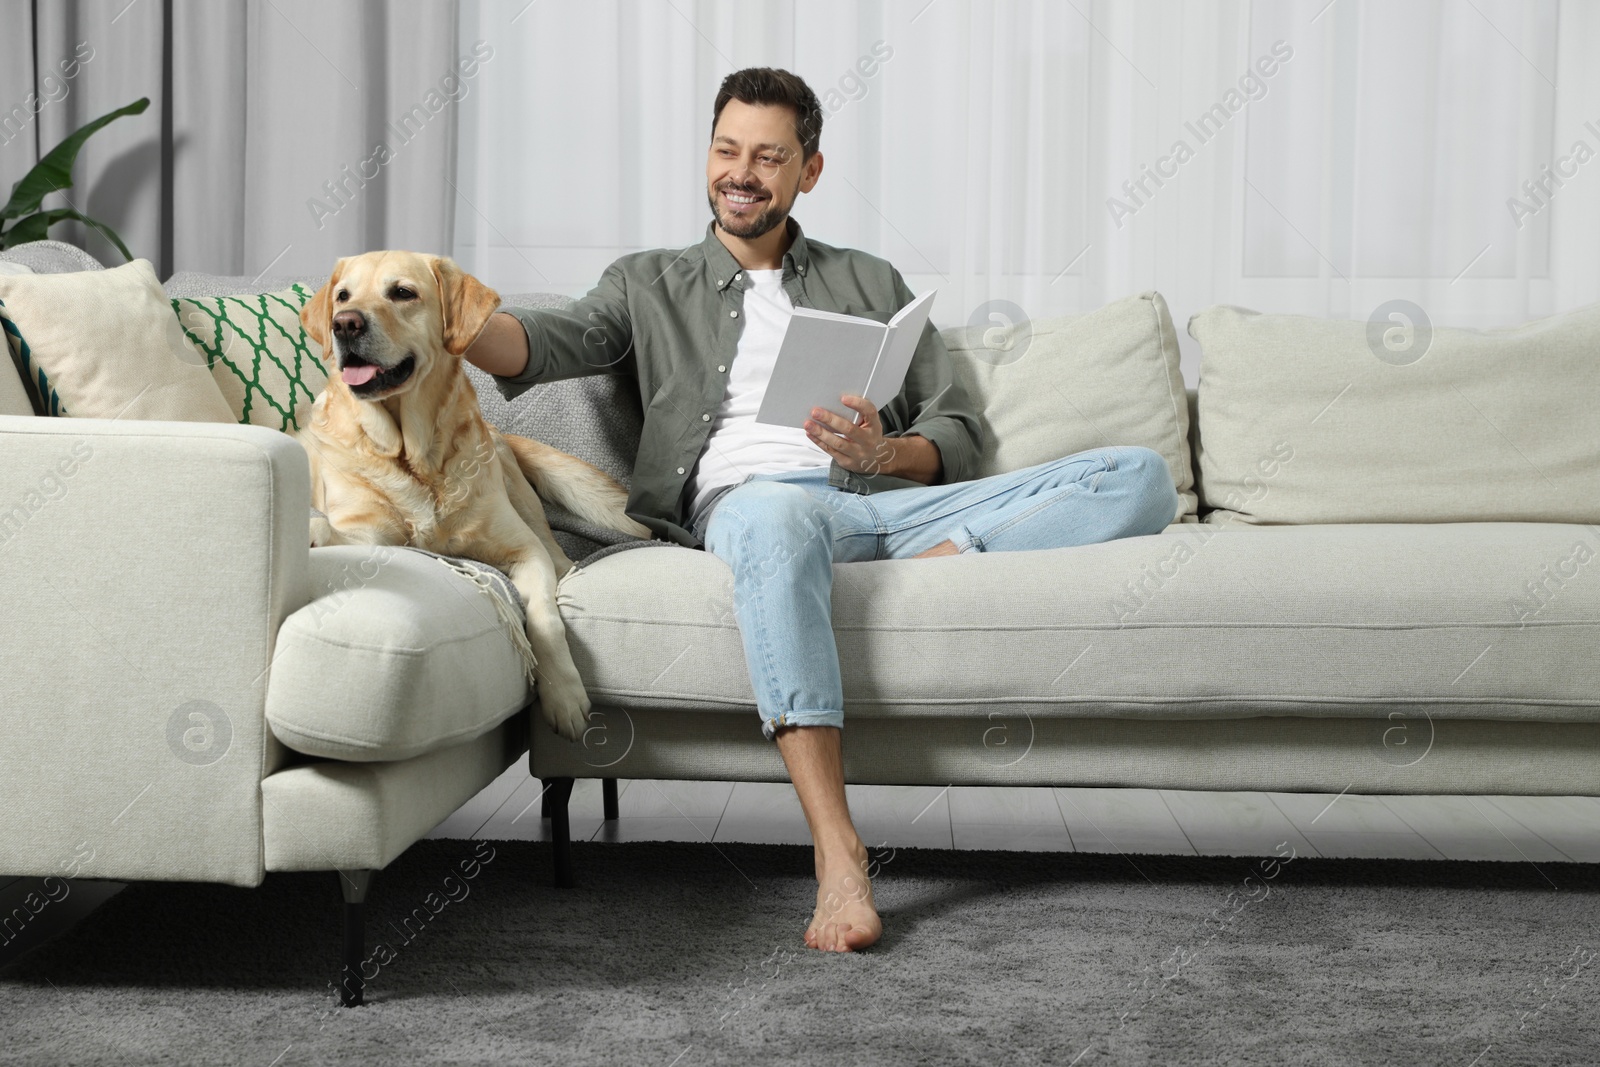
(516, 625)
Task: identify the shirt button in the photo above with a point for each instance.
(733, 314)
(705, 418)
(680, 470)
(721, 367)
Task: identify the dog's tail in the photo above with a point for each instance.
(567, 481)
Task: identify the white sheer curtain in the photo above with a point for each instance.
(1374, 162)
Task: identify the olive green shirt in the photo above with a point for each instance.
(671, 320)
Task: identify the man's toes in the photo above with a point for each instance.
(858, 938)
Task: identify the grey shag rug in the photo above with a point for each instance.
(679, 954)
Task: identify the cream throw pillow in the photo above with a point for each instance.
(14, 398)
(1048, 388)
(110, 347)
(1307, 420)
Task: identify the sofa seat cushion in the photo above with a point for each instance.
(398, 655)
(335, 815)
(1469, 620)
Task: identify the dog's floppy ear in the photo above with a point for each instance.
(465, 302)
(318, 314)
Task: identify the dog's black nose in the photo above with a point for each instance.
(348, 325)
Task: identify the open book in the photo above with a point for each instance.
(825, 355)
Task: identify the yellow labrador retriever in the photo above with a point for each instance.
(401, 454)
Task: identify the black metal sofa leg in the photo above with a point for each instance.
(558, 791)
(354, 885)
(608, 794)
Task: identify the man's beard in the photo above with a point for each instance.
(762, 222)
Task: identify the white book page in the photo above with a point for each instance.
(905, 331)
(823, 355)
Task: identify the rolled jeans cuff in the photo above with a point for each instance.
(819, 717)
(964, 541)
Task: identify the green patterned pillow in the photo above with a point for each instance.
(259, 354)
(41, 394)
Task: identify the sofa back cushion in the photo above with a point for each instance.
(1048, 388)
(1308, 420)
(1044, 389)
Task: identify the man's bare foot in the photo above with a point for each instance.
(943, 548)
(846, 918)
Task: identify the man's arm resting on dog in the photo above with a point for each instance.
(593, 335)
(502, 347)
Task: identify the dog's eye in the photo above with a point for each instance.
(400, 292)
(343, 295)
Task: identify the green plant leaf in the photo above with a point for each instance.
(33, 228)
(54, 172)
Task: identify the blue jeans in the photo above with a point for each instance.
(781, 534)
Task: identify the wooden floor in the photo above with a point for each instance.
(1170, 821)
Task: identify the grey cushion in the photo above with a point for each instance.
(51, 257)
(396, 655)
(188, 283)
(595, 417)
(1195, 622)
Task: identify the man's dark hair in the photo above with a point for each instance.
(769, 85)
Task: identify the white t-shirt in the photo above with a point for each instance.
(739, 445)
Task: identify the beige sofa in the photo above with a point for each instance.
(192, 694)
(1387, 582)
(1362, 592)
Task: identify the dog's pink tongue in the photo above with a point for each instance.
(358, 375)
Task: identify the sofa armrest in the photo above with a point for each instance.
(146, 569)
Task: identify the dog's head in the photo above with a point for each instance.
(386, 320)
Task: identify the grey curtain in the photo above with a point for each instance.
(281, 134)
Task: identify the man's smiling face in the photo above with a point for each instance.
(753, 170)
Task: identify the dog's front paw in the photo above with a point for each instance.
(322, 533)
(565, 707)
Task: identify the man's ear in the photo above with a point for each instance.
(465, 302)
(317, 316)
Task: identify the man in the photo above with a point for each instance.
(699, 330)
